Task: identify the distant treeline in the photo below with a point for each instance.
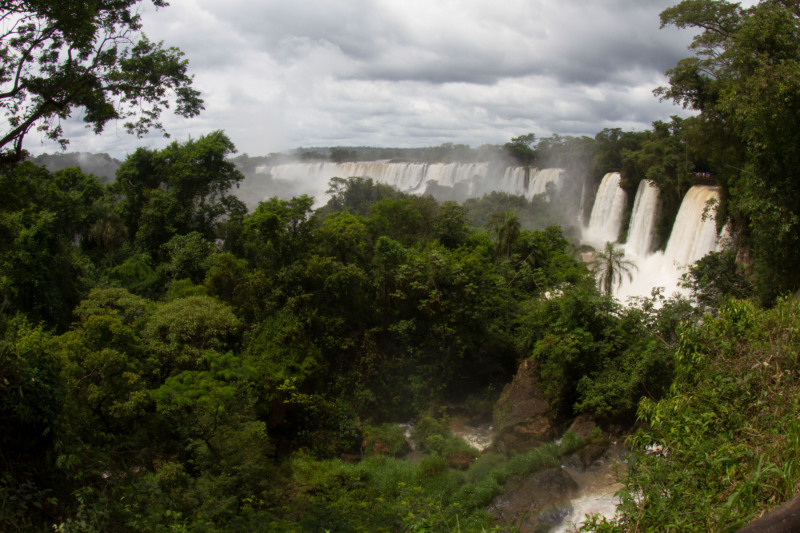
(101, 165)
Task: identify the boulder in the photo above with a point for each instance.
(593, 451)
(522, 417)
(535, 502)
(583, 426)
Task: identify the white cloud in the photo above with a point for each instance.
(277, 74)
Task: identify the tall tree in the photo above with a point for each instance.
(522, 149)
(66, 54)
(610, 267)
(745, 80)
(175, 191)
(505, 227)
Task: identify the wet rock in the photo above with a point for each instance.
(522, 417)
(583, 426)
(462, 460)
(595, 443)
(592, 452)
(536, 502)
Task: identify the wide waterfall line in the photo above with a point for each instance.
(605, 221)
(694, 233)
(476, 178)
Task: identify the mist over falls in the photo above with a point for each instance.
(694, 232)
(444, 181)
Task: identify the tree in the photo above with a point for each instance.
(175, 191)
(31, 398)
(42, 215)
(450, 225)
(521, 149)
(278, 232)
(189, 257)
(344, 236)
(745, 81)
(357, 194)
(66, 54)
(340, 155)
(610, 266)
(716, 277)
(505, 227)
(405, 219)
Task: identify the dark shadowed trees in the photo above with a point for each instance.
(62, 55)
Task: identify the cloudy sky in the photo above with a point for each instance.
(277, 74)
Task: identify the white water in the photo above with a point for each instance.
(691, 239)
(597, 486)
(694, 235)
(641, 232)
(540, 180)
(414, 178)
(479, 436)
(606, 219)
(513, 181)
(695, 231)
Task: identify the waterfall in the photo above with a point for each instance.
(540, 179)
(694, 235)
(641, 232)
(695, 231)
(606, 219)
(513, 181)
(475, 178)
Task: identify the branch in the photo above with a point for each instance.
(18, 87)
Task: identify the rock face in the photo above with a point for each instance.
(522, 417)
(583, 426)
(535, 503)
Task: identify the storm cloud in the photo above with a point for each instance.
(277, 74)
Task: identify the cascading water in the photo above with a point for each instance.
(477, 178)
(513, 180)
(540, 180)
(694, 235)
(606, 219)
(695, 231)
(641, 232)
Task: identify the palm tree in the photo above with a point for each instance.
(506, 228)
(609, 266)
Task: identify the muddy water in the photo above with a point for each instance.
(477, 435)
(596, 488)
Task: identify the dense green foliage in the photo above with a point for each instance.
(195, 363)
(726, 436)
(172, 362)
(744, 80)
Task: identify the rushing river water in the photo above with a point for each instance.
(597, 486)
(479, 436)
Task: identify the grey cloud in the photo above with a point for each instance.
(577, 41)
(404, 73)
